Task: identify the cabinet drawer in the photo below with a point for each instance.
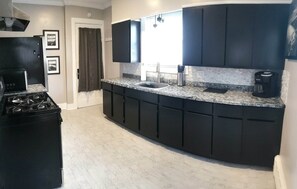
(118, 89)
(171, 102)
(106, 86)
(268, 114)
(228, 110)
(132, 93)
(198, 107)
(149, 97)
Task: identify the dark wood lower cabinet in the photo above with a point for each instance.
(118, 108)
(149, 119)
(227, 139)
(260, 142)
(132, 114)
(197, 133)
(107, 103)
(238, 134)
(170, 126)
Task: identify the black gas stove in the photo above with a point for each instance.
(28, 103)
(30, 126)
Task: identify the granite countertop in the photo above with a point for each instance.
(31, 89)
(231, 97)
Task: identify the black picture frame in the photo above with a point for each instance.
(52, 39)
(53, 65)
(291, 45)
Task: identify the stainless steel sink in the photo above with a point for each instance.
(152, 85)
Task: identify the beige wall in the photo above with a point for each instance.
(52, 18)
(75, 12)
(112, 70)
(135, 9)
(289, 143)
(59, 18)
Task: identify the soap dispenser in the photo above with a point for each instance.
(180, 75)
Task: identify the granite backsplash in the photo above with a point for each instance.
(234, 79)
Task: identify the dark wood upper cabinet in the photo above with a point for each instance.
(192, 36)
(239, 38)
(214, 34)
(270, 29)
(126, 41)
(235, 36)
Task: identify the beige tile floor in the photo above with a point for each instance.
(99, 154)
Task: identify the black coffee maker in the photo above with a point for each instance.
(266, 84)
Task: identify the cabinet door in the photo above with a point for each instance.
(132, 114)
(214, 34)
(197, 133)
(192, 36)
(107, 103)
(118, 108)
(270, 36)
(121, 41)
(260, 142)
(148, 119)
(239, 38)
(227, 139)
(170, 126)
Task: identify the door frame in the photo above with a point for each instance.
(75, 24)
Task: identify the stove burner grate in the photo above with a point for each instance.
(28, 103)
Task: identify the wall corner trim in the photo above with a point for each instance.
(278, 173)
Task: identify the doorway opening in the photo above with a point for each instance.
(85, 99)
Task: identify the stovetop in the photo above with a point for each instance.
(25, 103)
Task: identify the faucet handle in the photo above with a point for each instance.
(158, 67)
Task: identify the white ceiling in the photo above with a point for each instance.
(99, 4)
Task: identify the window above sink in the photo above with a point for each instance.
(162, 41)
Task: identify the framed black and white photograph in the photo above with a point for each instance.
(53, 65)
(291, 47)
(51, 39)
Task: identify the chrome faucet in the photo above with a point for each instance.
(158, 73)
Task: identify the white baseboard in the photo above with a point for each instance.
(278, 173)
(71, 106)
(85, 102)
(63, 106)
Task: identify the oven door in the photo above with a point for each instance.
(31, 151)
